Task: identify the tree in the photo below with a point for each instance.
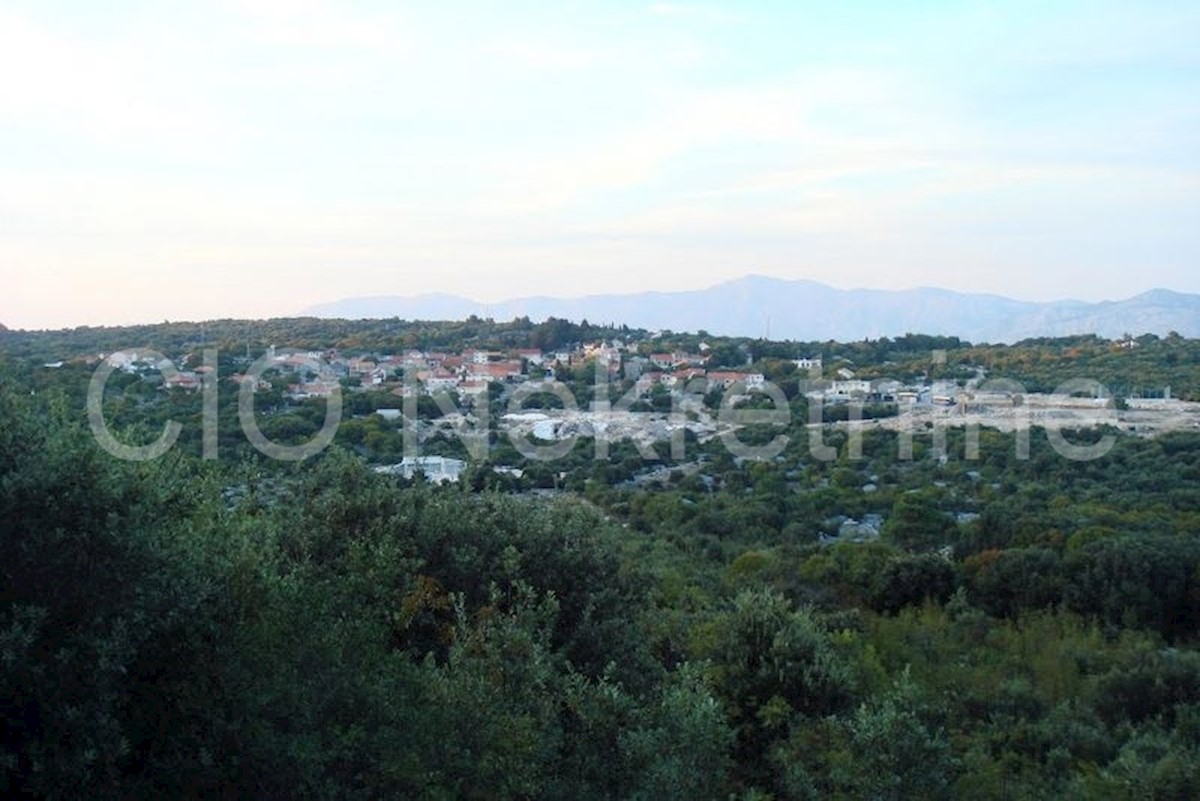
(1145, 580)
(895, 753)
(917, 524)
(683, 751)
(910, 580)
(101, 599)
(772, 662)
(1005, 583)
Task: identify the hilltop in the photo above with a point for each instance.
(807, 310)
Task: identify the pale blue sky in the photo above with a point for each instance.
(171, 161)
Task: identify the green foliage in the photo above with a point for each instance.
(893, 752)
(594, 629)
(1148, 581)
(685, 752)
(155, 642)
(771, 663)
(909, 581)
(1006, 583)
(917, 523)
(99, 601)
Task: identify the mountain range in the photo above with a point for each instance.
(759, 306)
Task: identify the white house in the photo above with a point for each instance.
(531, 355)
(848, 388)
(437, 469)
(479, 356)
(439, 379)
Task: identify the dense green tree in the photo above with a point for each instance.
(1006, 583)
(772, 662)
(1148, 580)
(917, 523)
(911, 580)
(894, 753)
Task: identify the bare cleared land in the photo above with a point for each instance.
(998, 411)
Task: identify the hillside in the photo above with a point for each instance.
(807, 310)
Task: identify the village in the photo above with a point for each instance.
(635, 372)
(320, 373)
(629, 365)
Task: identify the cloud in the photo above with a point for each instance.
(124, 93)
(327, 149)
(784, 116)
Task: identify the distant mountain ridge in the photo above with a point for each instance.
(807, 310)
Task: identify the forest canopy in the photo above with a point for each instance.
(792, 628)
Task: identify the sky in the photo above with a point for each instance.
(248, 158)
